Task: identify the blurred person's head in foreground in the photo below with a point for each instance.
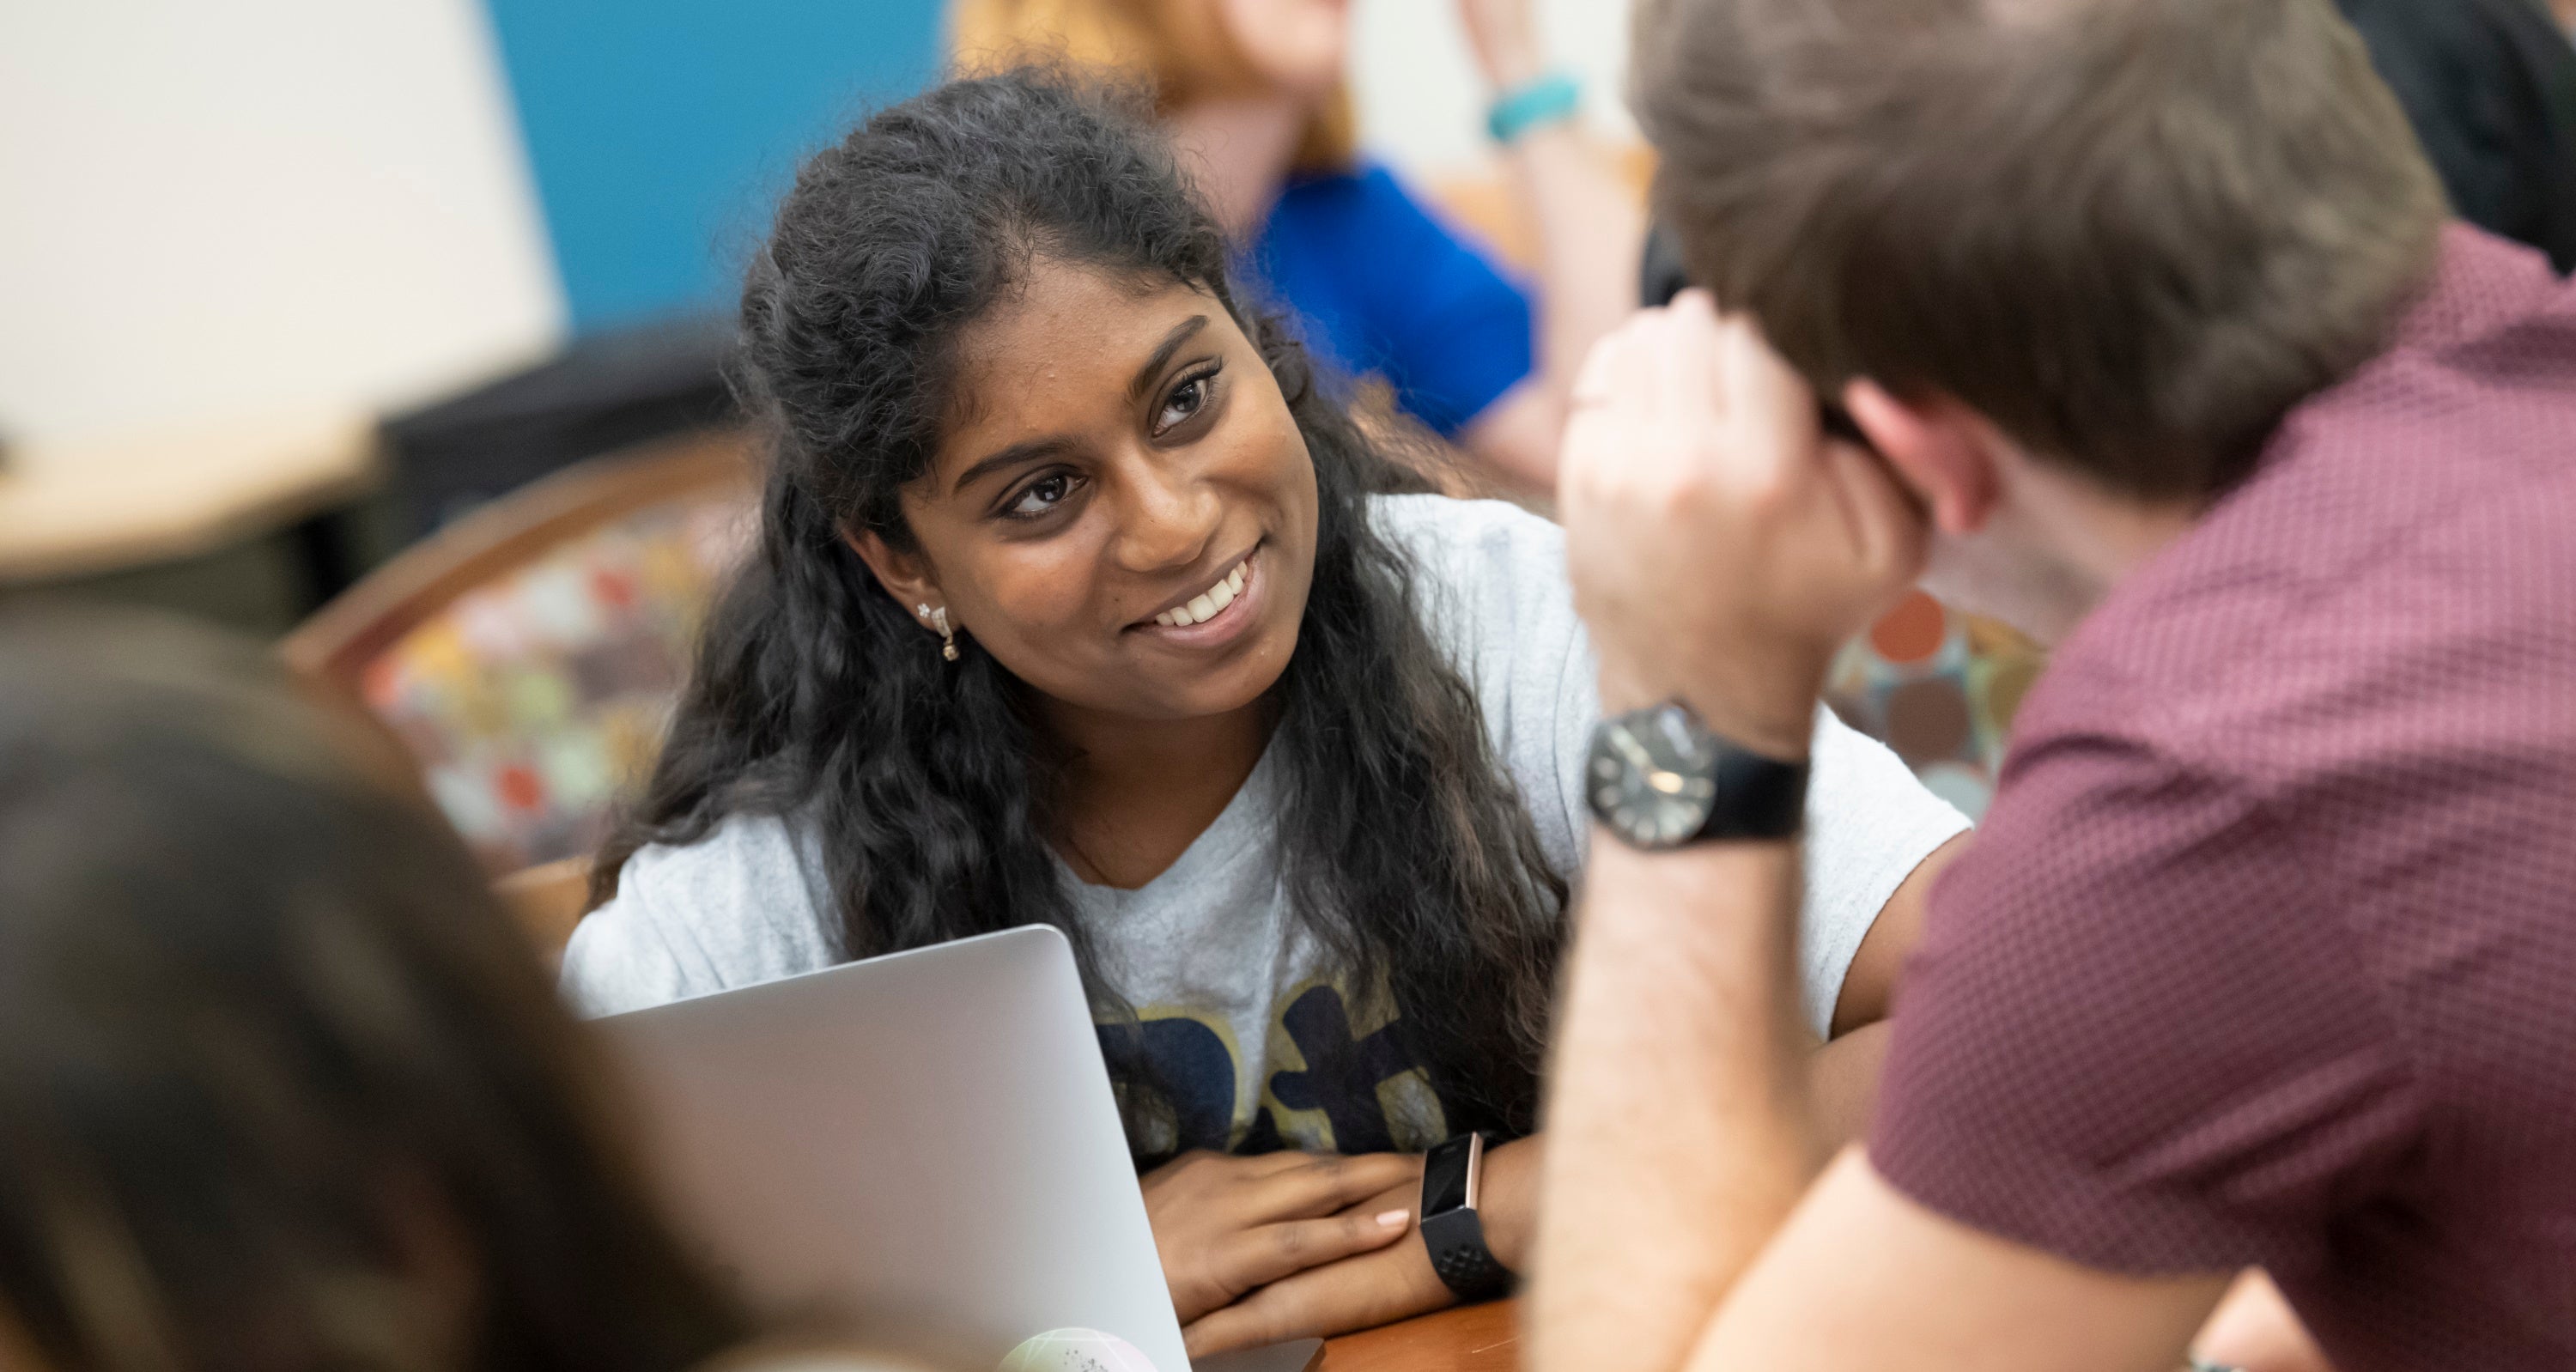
(280, 1086)
(2045, 251)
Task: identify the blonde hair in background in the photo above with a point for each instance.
(1179, 47)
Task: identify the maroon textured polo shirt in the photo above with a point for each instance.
(2266, 951)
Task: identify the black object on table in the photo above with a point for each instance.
(608, 390)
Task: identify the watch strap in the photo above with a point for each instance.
(1759, 797)
(1452, 1232)
(1751, 795)
(1466, 1266)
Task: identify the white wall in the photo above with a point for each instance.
(1421, 101)
(214, 208)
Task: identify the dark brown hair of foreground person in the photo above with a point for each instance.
(280, 1087)
(2044, 209)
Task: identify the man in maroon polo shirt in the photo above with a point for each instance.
(2265, 954)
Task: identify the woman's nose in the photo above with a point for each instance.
(1170, 516)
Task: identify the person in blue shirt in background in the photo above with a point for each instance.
(1254, 96)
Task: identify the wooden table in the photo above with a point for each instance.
(72, 510)
(1475, 1338)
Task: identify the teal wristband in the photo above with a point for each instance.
(1544, 100)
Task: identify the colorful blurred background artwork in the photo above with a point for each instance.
(1941, 688)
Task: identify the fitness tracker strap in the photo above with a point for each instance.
(1452, 1185)
(1545, 100)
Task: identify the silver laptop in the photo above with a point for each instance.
(928, 1135)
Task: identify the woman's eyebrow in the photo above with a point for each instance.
(1032, 449)
(1181, 333)
(1025, 451)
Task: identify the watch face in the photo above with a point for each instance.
(1444, 1177)
(1651, 776)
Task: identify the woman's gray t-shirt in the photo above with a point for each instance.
(1257, 1040)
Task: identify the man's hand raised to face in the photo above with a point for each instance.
(1722, 550)
(1721, 546)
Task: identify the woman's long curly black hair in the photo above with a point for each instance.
(927, 786)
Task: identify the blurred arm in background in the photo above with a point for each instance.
(1262, 115)
(1590, 230)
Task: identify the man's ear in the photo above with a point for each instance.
(906, 576)
(1937, 446)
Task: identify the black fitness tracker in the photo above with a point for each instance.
(1658, 778)
(1453, 1176)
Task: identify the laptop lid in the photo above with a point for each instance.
(929, 1134)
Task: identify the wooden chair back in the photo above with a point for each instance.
(339, 641)
(556, 531)
(548, 900)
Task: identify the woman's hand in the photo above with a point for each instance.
(1226, 1225)
(1504, 37)
(1384, 1285)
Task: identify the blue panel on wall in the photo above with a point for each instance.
(661, 131)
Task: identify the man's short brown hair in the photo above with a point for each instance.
(2133, 233)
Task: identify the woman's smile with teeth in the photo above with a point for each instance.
(1206, 604)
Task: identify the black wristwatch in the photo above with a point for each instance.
(1658, 778)
(1453, 1177)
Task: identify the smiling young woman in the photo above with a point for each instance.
(1289, 747)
